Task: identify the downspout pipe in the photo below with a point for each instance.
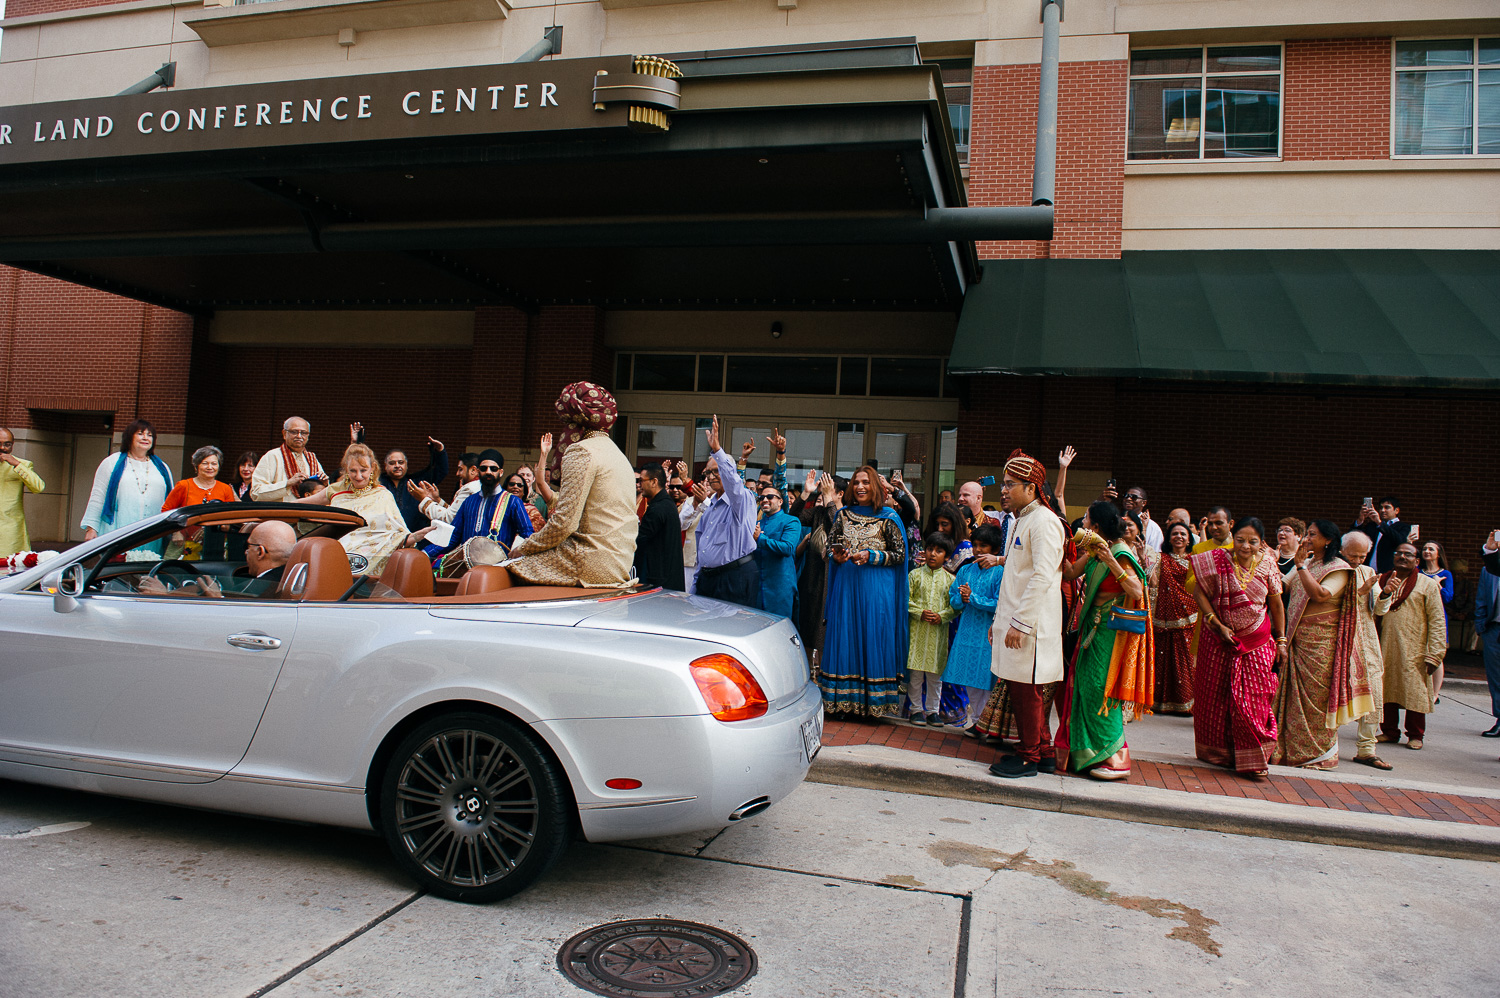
(551, 44)
(164, 77)
(1044, 168)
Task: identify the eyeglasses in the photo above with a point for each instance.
(298, 433)
(515, 485)
(677, 487)
(493, 468)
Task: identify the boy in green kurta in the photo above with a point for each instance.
(928, 650)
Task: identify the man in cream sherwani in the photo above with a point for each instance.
(1027, 634)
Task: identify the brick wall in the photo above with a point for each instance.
(564, 346)
(1268, 451)
(1337, 99)
(19, 8)
(1092, 103)
(72, 348)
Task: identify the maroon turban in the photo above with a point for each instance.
(584, 407)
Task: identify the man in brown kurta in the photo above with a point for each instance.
(1413, 640)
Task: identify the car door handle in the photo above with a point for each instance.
(254, 642)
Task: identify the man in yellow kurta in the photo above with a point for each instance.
(1413, 640)
(16, 479)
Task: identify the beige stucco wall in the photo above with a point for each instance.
(1404, 204)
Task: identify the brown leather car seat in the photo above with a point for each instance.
(483, 579)
(317, 570)
(409, 573)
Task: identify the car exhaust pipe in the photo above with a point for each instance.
(750, 808)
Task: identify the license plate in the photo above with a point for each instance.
(812, 736)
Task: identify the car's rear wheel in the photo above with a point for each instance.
(472, 808)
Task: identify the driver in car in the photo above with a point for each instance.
(266, 553)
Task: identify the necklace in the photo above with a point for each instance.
(1243, 575)
(141, 479)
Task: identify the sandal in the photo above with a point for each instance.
(1373, 761)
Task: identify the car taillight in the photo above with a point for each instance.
(732, 694)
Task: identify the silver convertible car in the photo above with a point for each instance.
(474, 724)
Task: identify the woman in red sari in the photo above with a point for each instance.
(1244, 628)
(1173, 614)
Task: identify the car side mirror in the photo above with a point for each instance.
(66, 587)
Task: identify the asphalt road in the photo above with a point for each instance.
(840, 891)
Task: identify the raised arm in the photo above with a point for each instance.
(1064, 460)
(578, 473)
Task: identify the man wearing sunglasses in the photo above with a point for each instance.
(491, 512)
(658, 545)
(776, 538)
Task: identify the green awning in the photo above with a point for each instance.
(1390, 317)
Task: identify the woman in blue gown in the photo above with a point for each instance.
(863, 667)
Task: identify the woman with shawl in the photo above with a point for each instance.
(866, 626)
(1244, 623)
(129, 487)
(1173, 614)
(358, 490)
(1113, 661)
(1324, 686)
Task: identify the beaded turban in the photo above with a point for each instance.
(1025, 468)
(585, 407)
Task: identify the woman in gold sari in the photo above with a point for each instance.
(358, 490)
(1324, 685)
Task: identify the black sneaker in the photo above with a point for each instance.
(1047, 765)
(935, 720)
(1013, 767)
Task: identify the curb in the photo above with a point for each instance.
(877, 767)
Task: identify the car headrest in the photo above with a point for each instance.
(409, 573)
(317, 570)
(484, 579)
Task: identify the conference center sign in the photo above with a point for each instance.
(465, 101)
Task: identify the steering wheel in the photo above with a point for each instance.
(191, 568)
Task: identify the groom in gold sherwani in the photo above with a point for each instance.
(1413, 639)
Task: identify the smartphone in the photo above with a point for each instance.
(1367, 501)
(987, 481)
(1415, 532)
(1112, 484)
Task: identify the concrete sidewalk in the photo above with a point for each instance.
(1443, 801)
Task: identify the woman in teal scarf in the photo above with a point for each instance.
(1106, 669)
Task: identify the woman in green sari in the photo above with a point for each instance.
(1114, 661)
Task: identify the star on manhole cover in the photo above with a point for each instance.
(657, 957)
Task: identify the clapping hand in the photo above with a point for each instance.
(931, 617)
(1065, 456)
(964, 592)
(682, 471)
(700, 491)
(1370, 583)
(422, 490)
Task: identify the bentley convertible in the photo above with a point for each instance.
(476, 725)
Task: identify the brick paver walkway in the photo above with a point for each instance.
(1197, 779)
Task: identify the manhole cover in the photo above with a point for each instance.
(660, 956)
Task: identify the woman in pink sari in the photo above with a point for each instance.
(1244, 627)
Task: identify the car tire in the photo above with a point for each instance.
(472, 808)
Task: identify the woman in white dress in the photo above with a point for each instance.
(129, 487)
(357, 489)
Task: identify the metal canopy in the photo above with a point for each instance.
(1380, 317)
(811, 189)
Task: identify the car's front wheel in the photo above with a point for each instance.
(472, 808)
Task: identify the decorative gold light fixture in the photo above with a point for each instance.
(652, 90)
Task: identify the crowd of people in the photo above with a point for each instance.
(988, 620)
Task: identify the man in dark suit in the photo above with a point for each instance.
(658, 544)
(1382, 523)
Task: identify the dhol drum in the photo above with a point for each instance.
(472, 552)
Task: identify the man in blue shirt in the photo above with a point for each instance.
(726, 533)
(776, 547)
(490, 512)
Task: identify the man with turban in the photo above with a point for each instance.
(490, 512)
(589, 537)
(1026, 637)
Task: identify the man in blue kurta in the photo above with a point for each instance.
(490, 512)
(776, 538)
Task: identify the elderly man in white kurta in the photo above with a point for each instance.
(280, 471)
(1027, 634)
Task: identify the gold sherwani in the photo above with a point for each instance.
(589, 538)
(1413, 636)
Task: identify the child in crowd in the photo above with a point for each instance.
(973, 595)
(930, 612)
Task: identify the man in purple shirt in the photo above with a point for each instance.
(726, 533)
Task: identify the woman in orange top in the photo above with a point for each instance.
(203, 487)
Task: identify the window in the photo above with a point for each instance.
(774, 374)
(1447, 97)
(1210, 102)
(958, 94)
